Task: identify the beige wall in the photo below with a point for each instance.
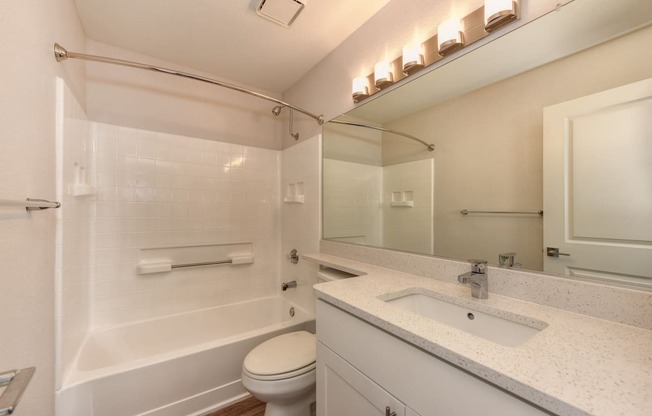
(489, 148)
(27, 162)
(159, 102)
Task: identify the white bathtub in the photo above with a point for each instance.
(174, 366)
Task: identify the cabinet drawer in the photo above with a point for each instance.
(345, 391)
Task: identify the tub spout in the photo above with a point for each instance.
(288, 285)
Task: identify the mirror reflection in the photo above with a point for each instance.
(495, 152)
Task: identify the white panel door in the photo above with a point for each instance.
(597, 183)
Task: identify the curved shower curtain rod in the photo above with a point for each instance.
(430, 146)
(61, 54)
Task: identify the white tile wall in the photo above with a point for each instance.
(352, 202)
(74, 231)
(409, 228)
(301, 228)
(158, 189)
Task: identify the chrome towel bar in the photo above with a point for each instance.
(165, 265)
(30, 204)
(205, 263)
(16, 382)
(467, 212)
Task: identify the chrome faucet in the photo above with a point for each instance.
(477, 279)
(287, 285)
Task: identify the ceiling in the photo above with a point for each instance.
(226, 38)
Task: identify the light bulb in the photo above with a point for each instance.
(360, 89)
(383, 76)
(497, 13)
(449, 36)
(412, 57)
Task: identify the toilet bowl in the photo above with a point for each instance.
(282, 372)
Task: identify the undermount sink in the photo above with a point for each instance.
(508, 332)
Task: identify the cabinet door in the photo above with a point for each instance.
(344, 391)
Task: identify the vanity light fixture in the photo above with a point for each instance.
(383, 76)
(449, 36)
(360, 89)
(412, 58)
(452, 35)
(498, 13)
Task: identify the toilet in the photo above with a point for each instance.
(282, 370)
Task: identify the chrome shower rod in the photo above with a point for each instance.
(430, 146)
(61, 54)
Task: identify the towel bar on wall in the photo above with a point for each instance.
(30, 204)
(162, 266)
(467, 212)
(15, 383)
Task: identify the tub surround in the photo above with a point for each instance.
(577, 365)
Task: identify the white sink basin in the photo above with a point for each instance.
(510, 332)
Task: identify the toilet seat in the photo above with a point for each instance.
(285, 356)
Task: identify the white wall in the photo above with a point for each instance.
(159, 102)
(409, 228)
(352, 202)
(301, 227)
(27, 161)
(161, 190)
(74, 151)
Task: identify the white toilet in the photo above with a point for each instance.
(282, 371)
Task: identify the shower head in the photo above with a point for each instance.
(277, 110)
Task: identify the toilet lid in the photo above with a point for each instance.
(282, 354)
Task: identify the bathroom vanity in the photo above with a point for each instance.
(391, 343)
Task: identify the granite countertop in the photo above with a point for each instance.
(577, 365)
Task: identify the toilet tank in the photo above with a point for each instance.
(328, 274)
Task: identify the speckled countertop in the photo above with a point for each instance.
(577, 365)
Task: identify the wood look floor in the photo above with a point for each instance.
(247, 407)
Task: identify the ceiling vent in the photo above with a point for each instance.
(282, 12)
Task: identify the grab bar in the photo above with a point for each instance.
(16, 382)
(205, 263)
(163, 266)
(30, 204)
(467, 212)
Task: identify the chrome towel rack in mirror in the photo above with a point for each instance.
(467, 212)
(15, 383)
(30, 204)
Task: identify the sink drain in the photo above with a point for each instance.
(291, 311)
(470, 316)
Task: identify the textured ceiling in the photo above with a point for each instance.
(227, 38)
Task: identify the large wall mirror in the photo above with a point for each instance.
(555, 116)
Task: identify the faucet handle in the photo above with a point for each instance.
(478, 266)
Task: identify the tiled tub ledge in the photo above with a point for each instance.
(577, 365)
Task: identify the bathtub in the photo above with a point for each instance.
(178, 365)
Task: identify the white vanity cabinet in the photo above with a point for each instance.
(362, 369)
